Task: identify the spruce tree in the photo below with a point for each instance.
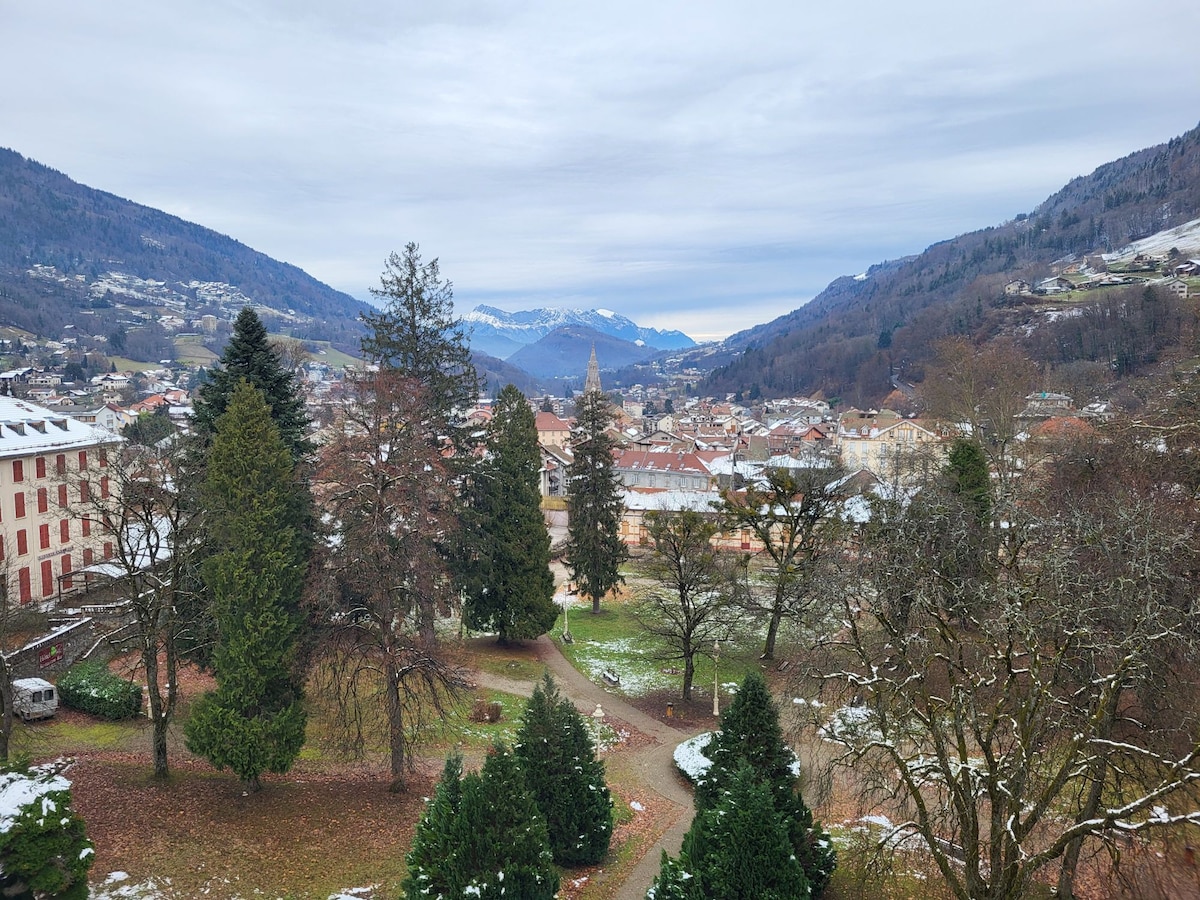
(250, 356)
(44, 849)
(417, 335)
(595, 504)
(565, 778)
(254, 721)
(482, 836)
(750, 735)
(434, 862)
(741, 848)
(506, 573)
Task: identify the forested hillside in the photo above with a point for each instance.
(61, 242)
(859, 332)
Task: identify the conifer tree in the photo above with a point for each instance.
(434, 862)
(250, 356)
(417, 335)
(595, 506)
(254, 721)
(506, 571)
(494, 845)
(44, 849)
(750, 735)
(565, 778)
(740, 848)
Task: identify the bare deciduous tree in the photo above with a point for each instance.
(390, 503)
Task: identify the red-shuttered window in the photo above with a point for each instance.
(64, 531)
(22, 542)
(43, 496)
(40, 466)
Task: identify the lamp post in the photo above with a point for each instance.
(716, 680)
(566, 634)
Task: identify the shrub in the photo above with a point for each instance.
(44, 850)
(92, 688)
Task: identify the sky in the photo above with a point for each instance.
(705, 166)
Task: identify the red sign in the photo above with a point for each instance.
(50, 654)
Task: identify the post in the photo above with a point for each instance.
(716, 680)
(566, 634)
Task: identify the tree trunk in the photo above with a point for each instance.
(6, 715)
(595, 604)
(395, 714)
(689, 674)
(158, 719)
(772, 633)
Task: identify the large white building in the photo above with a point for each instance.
(49, 465)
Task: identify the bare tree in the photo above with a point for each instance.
(693, 604)
(796, 515)
(1053, 711)
(390, 502)
(137, 505)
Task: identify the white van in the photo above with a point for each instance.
(34, 698)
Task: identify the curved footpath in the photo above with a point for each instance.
(654, 765)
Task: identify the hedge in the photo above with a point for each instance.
(92, 688)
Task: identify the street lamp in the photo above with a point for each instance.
(566, 634)
(716, 681)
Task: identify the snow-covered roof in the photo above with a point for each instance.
(27, 428)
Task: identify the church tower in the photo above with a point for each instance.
(592, 382)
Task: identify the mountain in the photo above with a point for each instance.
(68, 251)
(502, 334)
(564, 352)
(862, 333)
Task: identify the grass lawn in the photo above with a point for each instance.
(614, 640)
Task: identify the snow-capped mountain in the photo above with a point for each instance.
(502, 334)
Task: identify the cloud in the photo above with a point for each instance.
(677, 162)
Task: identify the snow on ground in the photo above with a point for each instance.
(117, 886)
(1185, 238)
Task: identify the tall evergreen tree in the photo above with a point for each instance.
(967, 470)
(417, 334)
(493, 845)
(595, 506)
(566, 779)
(750, 736)
(508, 584)
(254, 721)
(250, 356)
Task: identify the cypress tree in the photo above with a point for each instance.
(565, 778)
(594, 502)
(508, 583)
(254, 721)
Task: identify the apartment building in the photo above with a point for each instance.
(49, 466)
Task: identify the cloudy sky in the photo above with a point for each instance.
(704, 165)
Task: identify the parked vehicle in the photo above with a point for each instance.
(34, 698)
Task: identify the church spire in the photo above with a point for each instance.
(592, 382)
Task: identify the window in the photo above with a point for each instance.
(19, 503)
(67, 569)
(108, 549)
(22, 541)
(62, 496)
(43, 537)
(85, 492)
(60, 464)
(88, 556)
(47, 578)
(103, 457)
(85, 526)
(40, 466)
(82, 460)
(64, 531)
(24, 582)
(18, 470)
(43, 496)
(104, 487)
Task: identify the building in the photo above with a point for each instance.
(49, 464)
